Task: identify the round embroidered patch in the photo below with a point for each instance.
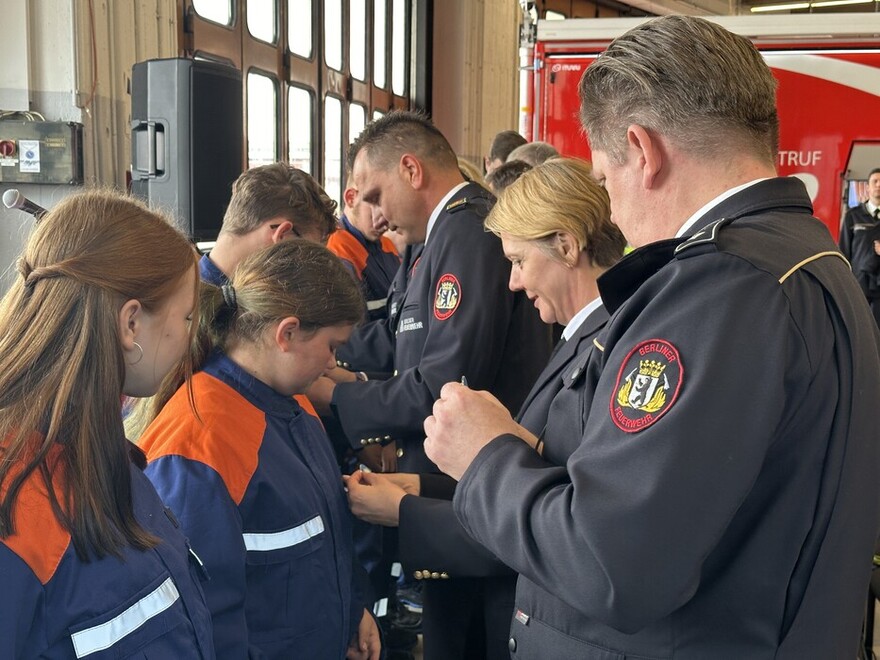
(447, 298)
(647, 385)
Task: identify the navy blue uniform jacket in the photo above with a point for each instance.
(458, 318)
(371, 346)
(145, 604)
(432, 541)
(256, 487)
(714, 492)
(857, 235)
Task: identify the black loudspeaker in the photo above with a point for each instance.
(186, 139)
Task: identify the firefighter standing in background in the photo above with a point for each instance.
(360, 243)
(860, 240)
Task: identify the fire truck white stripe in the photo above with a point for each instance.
(105, 635)
(851, 74)
(286, 538)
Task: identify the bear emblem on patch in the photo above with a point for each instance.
(647, 385)
(448, 297)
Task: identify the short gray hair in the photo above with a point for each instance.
(686, 78)
(533, 153)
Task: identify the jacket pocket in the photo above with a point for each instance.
(532, 638)
(273, 559)
(153, 622)
(410, 319)
(286, 544)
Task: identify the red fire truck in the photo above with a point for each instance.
(827, 65)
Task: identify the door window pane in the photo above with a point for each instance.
(379, 43)
(219, 11)
(398, 48)
(333, 147)
(333, 34)
(261, 19)
(358, 38)
(377, 114)
(299, 125)
(299, 27)
(357, 119)
(261, 120)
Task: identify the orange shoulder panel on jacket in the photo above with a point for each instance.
(345, 246)
(39, 538)
(388, 246)
(306, 405)
(225, 436)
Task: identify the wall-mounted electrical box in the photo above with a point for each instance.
(41, 152)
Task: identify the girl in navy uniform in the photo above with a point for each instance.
(252, 476)
(91, 562)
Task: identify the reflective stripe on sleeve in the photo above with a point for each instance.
(105, 635)
(286, 538)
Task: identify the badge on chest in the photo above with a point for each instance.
(447, 297)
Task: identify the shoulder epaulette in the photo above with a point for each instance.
(457, 205)
(706, 238)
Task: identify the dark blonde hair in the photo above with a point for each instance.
(291, 278)
(469, 171)
(560, 195)
(278, 190)
(61, 361)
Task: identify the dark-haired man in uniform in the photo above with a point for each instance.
(458, 320)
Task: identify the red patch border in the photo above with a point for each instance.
(442, 316)
(620, 375)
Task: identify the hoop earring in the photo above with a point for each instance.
(140, 357)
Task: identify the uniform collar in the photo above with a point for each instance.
(689, 223)
(578, 319)
(210, 273)
(354, 231)
(766, 195)
(619, 282)
(260, 395)
(442, 205)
